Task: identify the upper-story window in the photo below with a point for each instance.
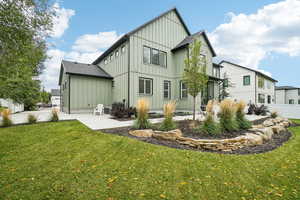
(105, 61)
(261, 82)
(299, 92)
(216, 72)
(123, 49)
(111, 57)
(117, 53)
(246, 80)
(154, 56)
(298, 101)
(269, 84)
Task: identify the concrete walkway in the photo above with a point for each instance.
(96, 122)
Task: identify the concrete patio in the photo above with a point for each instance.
(96, 122)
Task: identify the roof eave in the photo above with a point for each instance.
(79, 74)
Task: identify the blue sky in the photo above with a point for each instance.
(264, 35)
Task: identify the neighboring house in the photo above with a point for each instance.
(287, 95)
(147, 62)
(247, 84)
(55, 97)
(11, 105)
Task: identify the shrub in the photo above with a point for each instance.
(242, 122)
(274, 114)
(54, 115)
(209, 125)
(258, 110)
(168, 123)
(119, 111)
(31, 119)
(6, 118)
(142, 121)
(227, 116)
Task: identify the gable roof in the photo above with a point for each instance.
(256, 71)
(55, 92)
(189, 39)
(126, 36)
(286, 88)
(82, 69)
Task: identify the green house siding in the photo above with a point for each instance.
(64, 88)
(86, 92)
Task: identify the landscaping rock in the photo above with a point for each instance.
(142, 133)
(267, 133)
(167, 135)
(254, 139)
(268, 123)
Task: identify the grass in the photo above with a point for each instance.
(66, 160)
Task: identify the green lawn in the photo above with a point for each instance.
(66, 160)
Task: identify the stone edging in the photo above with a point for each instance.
(257, 135)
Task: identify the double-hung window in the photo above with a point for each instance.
(167, 89)
(145, 86)
(261, 98)
(246, 80)
(261, 82)
(154, 56)
(183, 90)
(291, 101)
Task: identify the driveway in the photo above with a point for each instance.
(96, 122)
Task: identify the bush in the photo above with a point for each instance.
(209, 125)
(227, 116)
(168, 123)
(242, 122)
(54, 115)
(274, 114)
(258, 110)
(142, 121)
(6, 118)
(119, 111)
(31, 119)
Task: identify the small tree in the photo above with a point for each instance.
(194, 75)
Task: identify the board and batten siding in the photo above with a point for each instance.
(118, 69)
(87, 92)
(64, 89)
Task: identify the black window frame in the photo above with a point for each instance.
(244, 80)
(180, 90)
(160, 52)
(269, 99)
(117, 53)
(299, 101)
(150, 51)
(291, 101)
(299, 92)
(151, 84)
(123, 49)
(169, 89)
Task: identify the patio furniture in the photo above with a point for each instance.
(99, 109)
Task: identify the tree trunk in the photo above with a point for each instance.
(194, 109)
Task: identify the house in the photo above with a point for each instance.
(287, 95)
(248, 84)
(55, 97)
(147, 62)
(11, 105)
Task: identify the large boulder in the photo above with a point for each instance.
(267, 133)
(268, 123)
(167, 135)
(142, 133)
(254, 139)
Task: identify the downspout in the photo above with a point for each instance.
(255, 89)
(128, 87)
(69, 94)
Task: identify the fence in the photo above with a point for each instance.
(14, 107)
(286, 110)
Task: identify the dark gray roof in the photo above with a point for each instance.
(286, 88)
(256, 71)
(126, 36)
(55, 92)
(189, 39)
(217, 65)
(83, 69)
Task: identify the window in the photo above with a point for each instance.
(298, 92)
(167, 89)
(105, 61)
(183, 90)
(145, 86)
(246, 80)
(123, 49)
(147, 55)
(226, 82)
(154, 56)
(261, 98)
(269, 84)
(117, 53)
(299, 101)
(111, 57)
(216, 72)
(261, 82)
(269, 99)
(291, 101)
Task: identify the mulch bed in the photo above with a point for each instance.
(276, 141)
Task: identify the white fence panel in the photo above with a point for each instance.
(14, 107)
(286, 110)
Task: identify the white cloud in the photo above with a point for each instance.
(248, 39)
(94, 42)
(84, 50)
(61, 20)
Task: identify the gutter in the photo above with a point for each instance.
(69, 95)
